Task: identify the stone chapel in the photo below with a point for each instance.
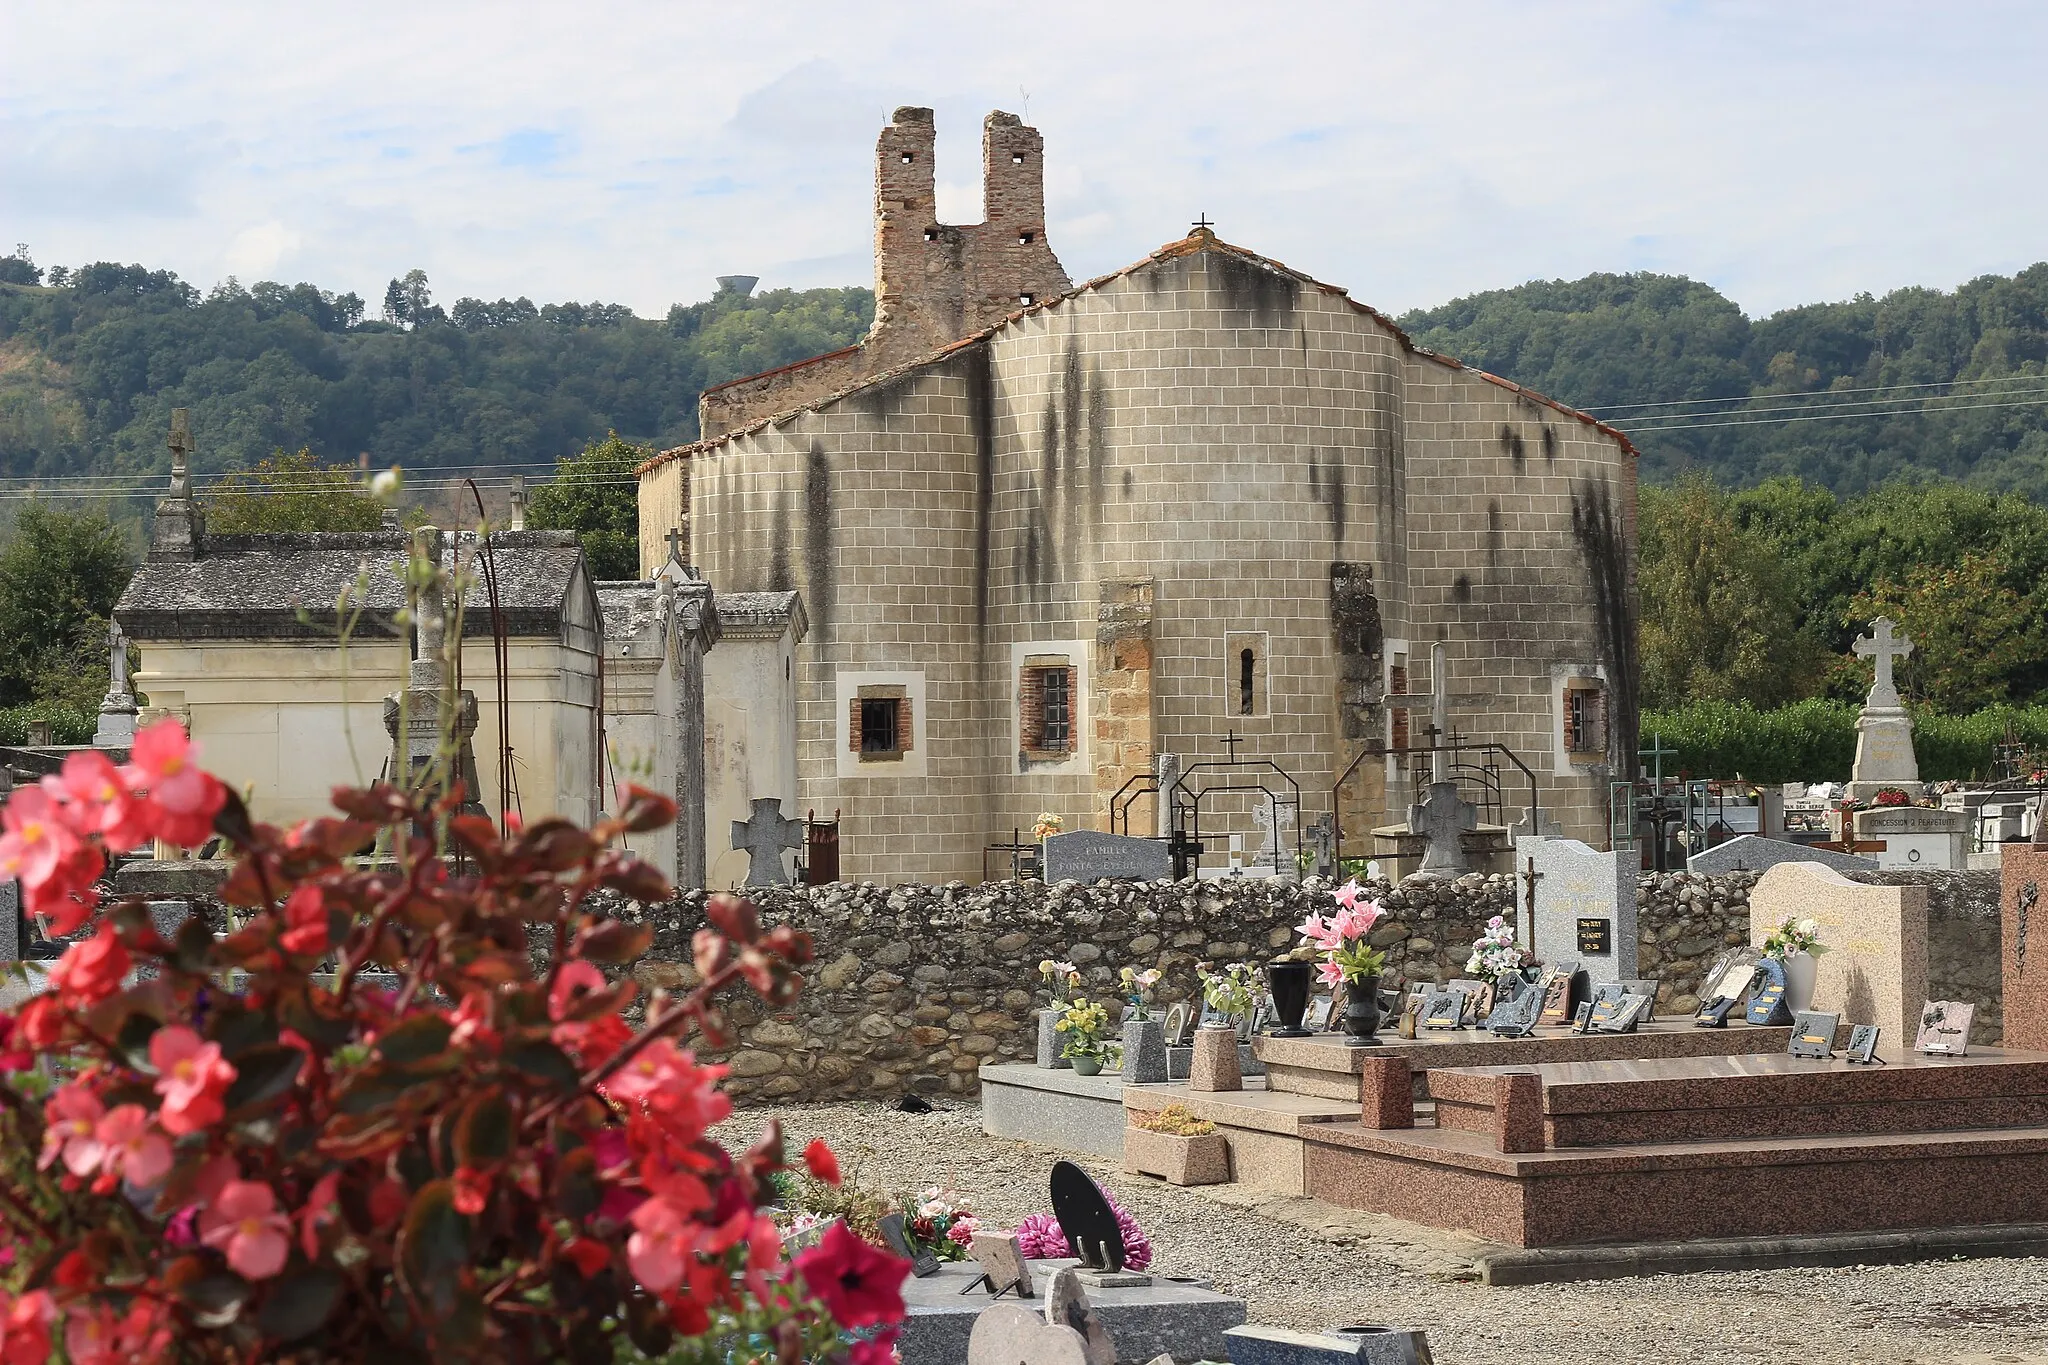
(1045, 533)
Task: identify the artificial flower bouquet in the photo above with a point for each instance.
(1084, 1028)
(940, 1222)
(1048, 825)
(1343, 937)
(1494, 954)
(1794, 936)
(1138, 991)
(1061, 978)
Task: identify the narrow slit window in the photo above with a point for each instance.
(1247, 669)
(880, 728)
(931, 234)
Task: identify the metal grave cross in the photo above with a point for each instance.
(1231, 741)
(1657, 753)
(1883, 646)
(1202, 223)
(1532, 876)
(764, 835)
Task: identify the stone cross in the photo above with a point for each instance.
(1883, 646)
(117, 709)
(675, 543)
(764, 835)
(181, 450)
(1169, 774)
(1443, 817)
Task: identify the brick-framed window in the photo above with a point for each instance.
(1048, 701)
(879, 724)
(1585, 717)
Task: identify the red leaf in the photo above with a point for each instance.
(733, 917)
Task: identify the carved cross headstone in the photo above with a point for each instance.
(764, 835)
(675, 543)
(1443, 817)
(1882, 646)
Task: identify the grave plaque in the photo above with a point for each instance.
(1583, 1020)
(1561, 987)
(1583, 905)
(1514, 1018)
(1813, 1034)
(1862, 1044)
(1768, 1006)
(1620, 1014)
(1875, 966)
(1088, 855)
(1945, 1028)
(1714, 1013)
(1002, 1263)
(1444, 1009)
(922, 1263)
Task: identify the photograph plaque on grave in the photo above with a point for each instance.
(1813, 1034)
(1945, 1028)
(1583, 1020)
(1863, 1045)
(1445, 1009)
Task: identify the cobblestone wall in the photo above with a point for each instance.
(917, 986)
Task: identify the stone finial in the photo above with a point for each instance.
(431, 611)
(180, 527)
(519, 502)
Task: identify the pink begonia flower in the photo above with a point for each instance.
(191, 1076)
(134, 1148)
(183, 797)
(245, 1224)
(38, 836)
(576, 979)
(305, 915)
(25, 1328)
(659, 1246)
(105, 802)
(70, 1124)
(652, 1068)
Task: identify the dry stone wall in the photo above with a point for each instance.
(915, 986)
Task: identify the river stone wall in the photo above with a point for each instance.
(914, 987)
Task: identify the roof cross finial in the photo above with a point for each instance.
(675, 543)
(1202, 223)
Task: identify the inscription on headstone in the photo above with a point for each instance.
(1087, 855)
(1584, 906)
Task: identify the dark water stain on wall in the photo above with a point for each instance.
(1266, 297)
(1326, 485)
(1358, 638)
(1461, 588)
(779, 579)
(1130, 484)
(1549, 444)
(1496, 535)
(981, 411)
(821, 595)
(1073, 399)
(1511, 445)
(1605, 553)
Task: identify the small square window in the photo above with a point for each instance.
(881, 728)
(931, 234)
(1045, 709)
(1026, 300)
(1016, 158)
(908, 158)
(1026, 238)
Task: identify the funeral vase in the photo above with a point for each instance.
(1288, 982)
(1215, 1065)
(1361, 1011)
(1144, 1051)
(1049, 1040)
(1087, 1066)
(1799, 974)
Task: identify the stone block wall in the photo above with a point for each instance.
(916, 986)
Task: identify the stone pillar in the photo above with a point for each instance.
(2023, 875)
(1386, 1093)
(694, 630)
(1518, 1112)
(1120, 699)
(117, 709)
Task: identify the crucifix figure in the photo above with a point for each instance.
(1530, 878)
(764, 835)
(1882, 646)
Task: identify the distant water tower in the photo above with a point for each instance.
(743, 285)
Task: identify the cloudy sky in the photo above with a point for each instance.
(629, 152)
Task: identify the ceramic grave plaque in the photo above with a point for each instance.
(1561, 988)
(1444, 1009)
(1875, 966)
(1862, 1044)
(1583, 906)
(1003, 1262)
(1813, 1034)
(1944, 1028)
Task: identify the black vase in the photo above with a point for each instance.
(1289, 983)
(1362, 1012)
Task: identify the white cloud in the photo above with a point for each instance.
(256, 251)
(629, 150)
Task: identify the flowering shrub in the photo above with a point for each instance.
(239, 1159)
(940, 1222)
(1342, 937)
(1039, 1237)
(1494, 954)
(1794, 936)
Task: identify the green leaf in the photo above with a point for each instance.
(436, 1236)
(300, 1305)
(544, 1061)
(419, 1037)
(263, 1073)
(486, 1133)
(577, 1193)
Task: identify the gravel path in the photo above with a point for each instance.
(1337, 1268)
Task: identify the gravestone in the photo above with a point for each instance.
(1754, 853)
(1916, 838)
(1066, 1305)
(1443, 817)
(765, 835)
(1007, 1334)
(1088, 855)
(2023, 876)
(1584, 907)
(1090, 1226)
(117, 709)
(11, 933)
(1884, 731)
(1875, 968)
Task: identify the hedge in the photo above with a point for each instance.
(1815, 741)
(67, 726)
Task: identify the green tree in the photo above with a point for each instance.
(60, 574)
(1970, 631)
(596, 495)
(1720, 620)
(290, 493)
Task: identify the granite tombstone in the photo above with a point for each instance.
(1754, 853)
(1583, 906)
(1875, 966)
(1087, 855)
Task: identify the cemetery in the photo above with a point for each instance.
(440, 951)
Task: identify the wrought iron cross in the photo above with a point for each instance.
(1657, 753)
(1231, 741)
(1202, 223)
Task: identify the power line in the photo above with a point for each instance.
(1882, 404)
(1844, 416)
(1811, 393)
